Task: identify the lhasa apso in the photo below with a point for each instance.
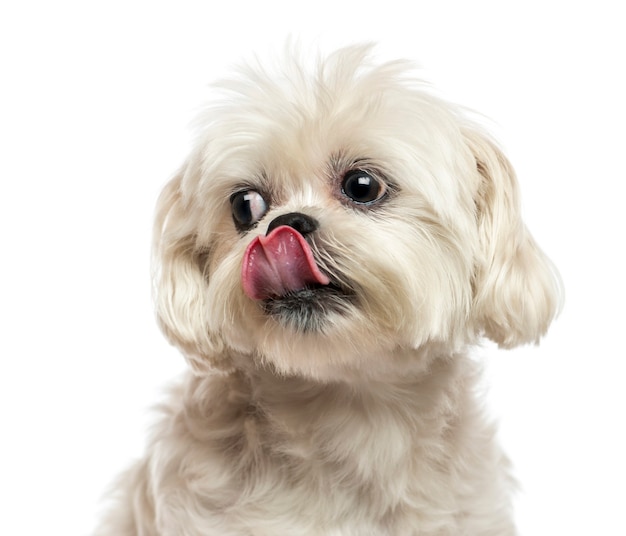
(333, 246)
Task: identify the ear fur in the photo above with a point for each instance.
(517, 289)
(179, 283)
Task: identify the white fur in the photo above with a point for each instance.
(367, 424)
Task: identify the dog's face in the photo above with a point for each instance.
(327, 221)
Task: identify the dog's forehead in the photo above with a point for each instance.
(300, 112)
(285, 137)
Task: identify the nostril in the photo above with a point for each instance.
(300, 222)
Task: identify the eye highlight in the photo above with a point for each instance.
(247, 207)
(362, 187)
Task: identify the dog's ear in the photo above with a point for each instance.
(179, 284)
(517, 290)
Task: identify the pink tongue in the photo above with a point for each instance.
(278, 263)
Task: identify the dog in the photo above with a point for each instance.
(335, 244)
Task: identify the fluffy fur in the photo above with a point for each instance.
(349, 410)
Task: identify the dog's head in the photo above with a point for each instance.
(329, 218)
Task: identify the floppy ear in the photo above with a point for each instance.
(179, 279)
(517, 290)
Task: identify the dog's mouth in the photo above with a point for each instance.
(308, 309)
(278, 264)
(280, 272)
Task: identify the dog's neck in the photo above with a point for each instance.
(412, 408)
(369, 434)
(413, 377)
(370, 429)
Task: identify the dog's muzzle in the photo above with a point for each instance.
(282, 261)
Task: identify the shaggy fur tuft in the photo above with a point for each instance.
(345, 408)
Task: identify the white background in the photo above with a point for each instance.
(95, 99)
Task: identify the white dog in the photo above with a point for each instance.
(334, 244)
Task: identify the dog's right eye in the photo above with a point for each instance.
(247, 207)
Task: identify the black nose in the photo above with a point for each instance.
(300, 222)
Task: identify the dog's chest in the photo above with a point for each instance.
(320, 461)
(349, 465)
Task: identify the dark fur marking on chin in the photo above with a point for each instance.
(307, 310)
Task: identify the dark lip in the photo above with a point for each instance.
(308, 309)
(314, 291)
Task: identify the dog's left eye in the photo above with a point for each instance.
(248, 207)
(362, 188)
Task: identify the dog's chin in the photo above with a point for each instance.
(309, 309)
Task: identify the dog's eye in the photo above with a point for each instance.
(362, 188)
(248, 207)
